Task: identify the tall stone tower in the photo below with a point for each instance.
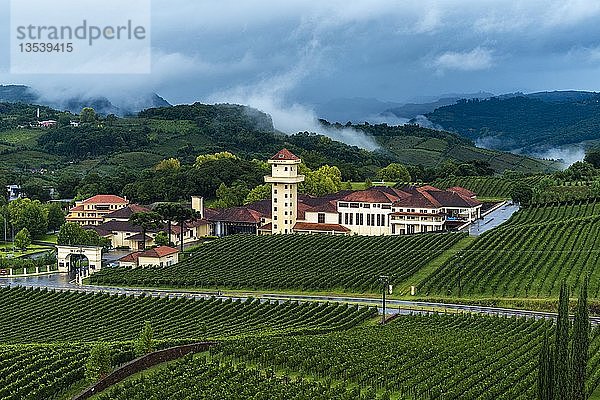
(284, 190)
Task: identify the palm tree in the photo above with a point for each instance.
(168, 212)
(147, 220)
(184, 214)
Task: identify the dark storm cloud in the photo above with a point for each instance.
(283, 56)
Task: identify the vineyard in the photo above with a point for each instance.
(302, 262)
(485, 186)
(30, 316)
(528, 256)
(197, 378)
(414, 357)
(500, 187)
(41, 371)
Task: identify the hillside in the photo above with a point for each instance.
(76, 102)
(312, 262)
(418, 146)
(528, 256)
(528, 123)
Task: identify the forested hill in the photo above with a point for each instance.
(419, 146)
(527, 122)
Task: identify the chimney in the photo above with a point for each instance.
(198, 205)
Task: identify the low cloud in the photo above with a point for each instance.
(479, 58)
(569, 154)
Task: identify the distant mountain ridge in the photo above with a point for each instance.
(74, 104)
(527, 123)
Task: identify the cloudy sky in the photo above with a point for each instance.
(289, 55)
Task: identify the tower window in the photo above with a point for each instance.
(285, 169)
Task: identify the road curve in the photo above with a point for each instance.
(392, 306)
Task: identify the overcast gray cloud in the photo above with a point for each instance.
(286, 56)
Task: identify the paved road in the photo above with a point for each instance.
(492, 220)
(61, 282)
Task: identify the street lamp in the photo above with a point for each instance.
(385, 282)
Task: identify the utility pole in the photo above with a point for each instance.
(385, 281)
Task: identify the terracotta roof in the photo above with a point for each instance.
(375, 194)
(105, 199)
(454, 199)
(285, 154)
(132, 257)
(418, 199)
(307, 226)
(234, 214)
(98, 228)
(266, 227)
(430, 188)
(77, 208)
(160, 251)
(327, 207)
(262, 206)
(462, 191)
(126, 212)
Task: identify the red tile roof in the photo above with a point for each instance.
(307, 226)
(132, 257)
(126, 212)
(266, 227)
(160, 251)
(105, 199)
(462, 191)
(77, 208)
(454, 199)
(234, 214)
(285, 154)
(375, 195)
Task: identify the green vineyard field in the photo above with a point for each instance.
(30, 316)
(302, 262)
(413, 357)
(499, 187)
(197, 378)
(528, 256)
(42, 371)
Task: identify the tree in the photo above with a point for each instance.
(546, 371)
(261, 192)
(147, 220)
(72, 234)
(325, 180)
(231, 196)
(543, 185)
(182, 215)
(204, 158)
(368, 184)
(593, 157)
(168, 212)
(170, 164)
(88, 115)
(561, 361)
(580, 171)
(30, 214)
(23, 239)
(161, 239)
(521, 193)
(580, 345)
(144, 344)
(394, 172)
(56, 216)
(99, 363)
